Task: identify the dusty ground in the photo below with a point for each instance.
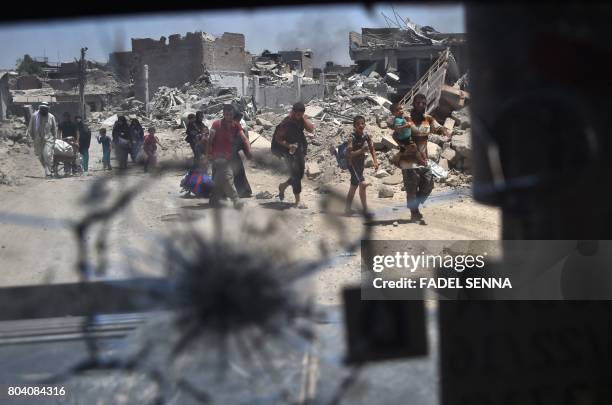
(37, 246)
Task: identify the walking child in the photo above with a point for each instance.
(358, 145)
(150, 148)
(105, 141)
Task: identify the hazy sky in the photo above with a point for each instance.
(324, 29)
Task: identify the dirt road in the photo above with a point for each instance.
(38, 246)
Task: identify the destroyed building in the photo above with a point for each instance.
(332, 68)
(177, 60)
(298, 60)
(406, 52)
(62, 92)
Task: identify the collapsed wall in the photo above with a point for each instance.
(179, 60)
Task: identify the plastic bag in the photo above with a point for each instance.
(63, 149)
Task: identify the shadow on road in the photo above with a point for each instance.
(276, 205)
(387, 222)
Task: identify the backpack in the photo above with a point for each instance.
(278, 150)
(341, 153)
(275, 147)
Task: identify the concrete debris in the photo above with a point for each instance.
(313, 111)
(339, 97)
(393, 180)
(312, 170)
(443, 163)
(449, 123)
(462, 143)
(453, 97)
(381, 173)
(264, 123)
(462, 118)
(385, 192)
(453, 181)
(433, 151)
(449, 154)
(389, 142)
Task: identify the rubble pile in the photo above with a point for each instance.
(273, 72)
(333, 118)
(166, 101)
(16, 155)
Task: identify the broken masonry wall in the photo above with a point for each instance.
(225, 53)
(237, 80)
(183, 59)
(4, 96)
(93, 102)
(170, 65)
(63, 84)
(121, 63)
(273, 97)
(28, 82)
(305, 59)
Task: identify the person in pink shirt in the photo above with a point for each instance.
(221, 143)
(150, 148)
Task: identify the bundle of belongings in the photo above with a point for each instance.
(197, 182)
(63, 149)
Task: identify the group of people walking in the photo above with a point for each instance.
(44, 131)
(128, 141)
(219, 147)
(410, 131)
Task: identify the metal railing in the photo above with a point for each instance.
(423, 84)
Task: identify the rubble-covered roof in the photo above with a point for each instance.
(410, 35)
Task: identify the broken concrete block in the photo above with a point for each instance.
(313, 111)
(463, 144)
(368, 162)
(448, 155)
(385, 192)
(437, 139)
(454, 97)
(462, 118)
(394, 179)
(312, 170)
(453, 181)
(381, 173)
(433, 151)
(388, 142)
(264, 123)
(443, 163)
(449, 123)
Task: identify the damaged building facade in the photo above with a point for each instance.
(177, 60)
(5, 95)
(406, 53)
